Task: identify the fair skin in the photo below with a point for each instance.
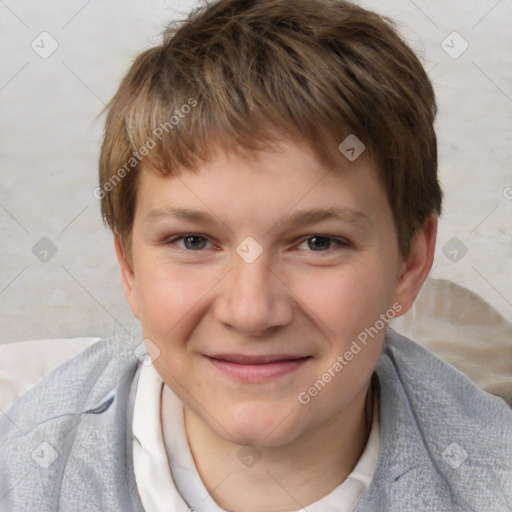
(200, 302)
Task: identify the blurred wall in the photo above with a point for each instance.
(62, 61)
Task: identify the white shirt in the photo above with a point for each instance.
(165, 472)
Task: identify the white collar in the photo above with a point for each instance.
(177, 485)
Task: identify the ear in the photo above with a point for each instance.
(415, 268)
(127, 276)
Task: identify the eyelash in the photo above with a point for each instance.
(341, 242)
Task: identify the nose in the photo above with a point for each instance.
(254, 300)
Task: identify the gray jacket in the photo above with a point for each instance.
(66, 445)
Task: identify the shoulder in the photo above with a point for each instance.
(72, 421)
(429, 381)
(77, 384)
(441, 436)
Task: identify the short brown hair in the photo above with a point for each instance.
(238, 72)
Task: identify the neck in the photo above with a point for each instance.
(287, 477)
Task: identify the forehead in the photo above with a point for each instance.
(265, 183)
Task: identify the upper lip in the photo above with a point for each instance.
(256, 359)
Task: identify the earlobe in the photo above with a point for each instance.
(417, 265)
(127, 275)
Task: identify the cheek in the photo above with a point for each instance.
(346, 299)
(349, 305)
(170, 297)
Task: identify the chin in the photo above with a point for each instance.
(261, 426)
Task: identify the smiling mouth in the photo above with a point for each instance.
(257, 368)
(256, 360)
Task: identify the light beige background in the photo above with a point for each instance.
(49, 145)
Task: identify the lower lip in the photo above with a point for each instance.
(258, 372)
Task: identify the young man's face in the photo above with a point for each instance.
(254, 304)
